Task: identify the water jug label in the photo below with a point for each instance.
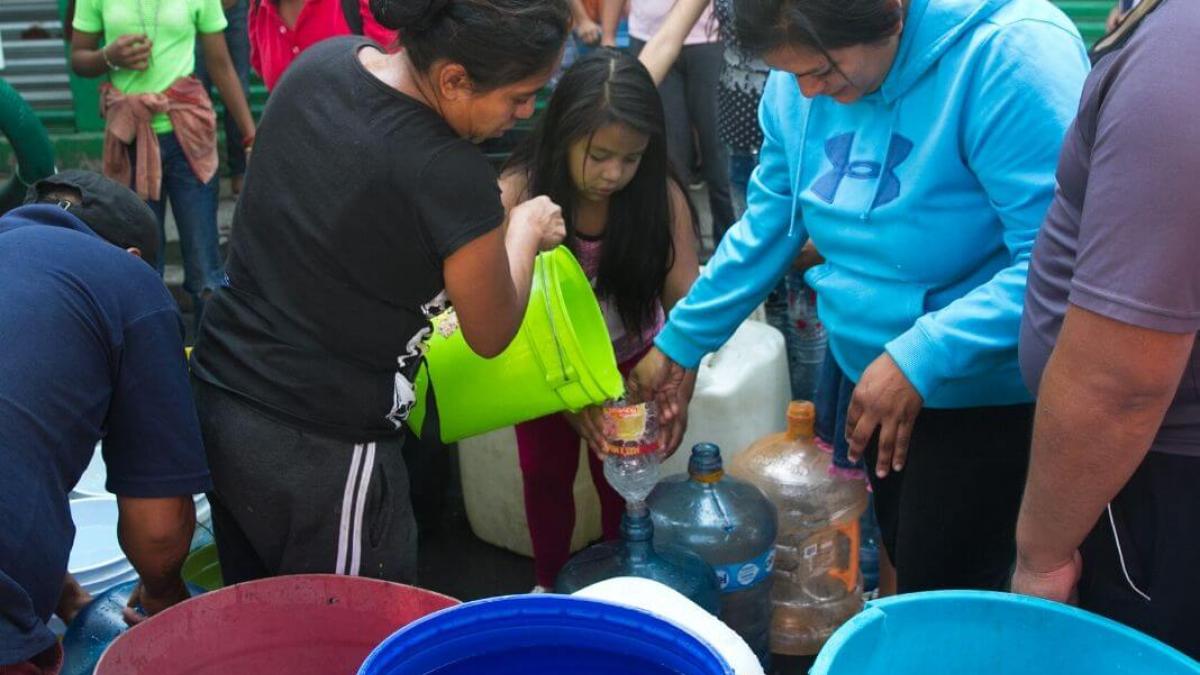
(738, 576)
(630, 430)
(834, 551)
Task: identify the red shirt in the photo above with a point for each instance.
(273, 45)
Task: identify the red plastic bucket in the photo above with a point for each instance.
(318, 624)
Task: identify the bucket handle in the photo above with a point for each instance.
(565, 373)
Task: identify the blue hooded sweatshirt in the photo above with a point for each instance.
(924, 197)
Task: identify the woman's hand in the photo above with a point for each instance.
(884, 399)
(675, 429)
(131, 52)
(542, 218)
(656, 377)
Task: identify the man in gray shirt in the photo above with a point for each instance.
(1111, 513)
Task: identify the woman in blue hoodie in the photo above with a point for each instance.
(915, 142)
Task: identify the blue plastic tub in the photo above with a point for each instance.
(985, 633)
(542, 634)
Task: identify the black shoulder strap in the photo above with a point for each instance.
(353, 16)
(1118, 37)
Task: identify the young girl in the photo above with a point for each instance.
(600, 153)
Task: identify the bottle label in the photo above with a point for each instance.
(630, 430)
(739, 576)
(833, 551)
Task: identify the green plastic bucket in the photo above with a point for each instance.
(203, 569)
(561, 359)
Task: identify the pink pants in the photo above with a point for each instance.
(548, 449)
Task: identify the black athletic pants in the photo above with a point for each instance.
(948, 519)
(1141, 561)
(288, 501)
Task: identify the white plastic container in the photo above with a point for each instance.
(669, 604)
(494, 493)
(742, 392)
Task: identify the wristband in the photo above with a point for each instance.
(111, 66)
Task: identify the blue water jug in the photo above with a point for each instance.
(636, 555)
(96, 626)
(732, 525)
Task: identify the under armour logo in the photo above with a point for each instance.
(837, 149)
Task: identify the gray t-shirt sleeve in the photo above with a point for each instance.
(1138, 259)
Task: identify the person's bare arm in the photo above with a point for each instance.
(220, 69)
(488, 279)
(512, 189)
(587, 30)
(663, 48)
(130, 52)
(610, 17)
(155, 535)
(1101, 401)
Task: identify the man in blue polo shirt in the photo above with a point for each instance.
(91, 347)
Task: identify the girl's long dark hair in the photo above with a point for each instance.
(607, 87)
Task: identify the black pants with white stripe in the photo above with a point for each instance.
(288, 501)
(1141, 560)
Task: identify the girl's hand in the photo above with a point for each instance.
(131, 52)
(542, 218)
(587, 424)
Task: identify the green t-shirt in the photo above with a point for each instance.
(173, 54)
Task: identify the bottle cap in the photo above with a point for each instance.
(801, 415)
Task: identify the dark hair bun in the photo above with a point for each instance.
(408, 16)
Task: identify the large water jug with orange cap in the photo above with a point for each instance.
(817, 585)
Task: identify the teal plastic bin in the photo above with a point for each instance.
(986, 633)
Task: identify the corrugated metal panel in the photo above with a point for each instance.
(35, 62)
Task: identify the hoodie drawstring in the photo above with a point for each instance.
(799, 169)
(892, 124)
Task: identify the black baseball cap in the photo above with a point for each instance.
(110, 209)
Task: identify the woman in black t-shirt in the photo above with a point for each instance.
(368, 210)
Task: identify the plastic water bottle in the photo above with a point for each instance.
(632, 445)
(817, 582)
(732, 525)
(636, 555)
